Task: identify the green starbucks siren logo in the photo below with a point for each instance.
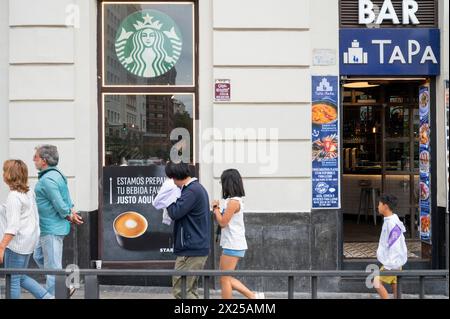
(148, 43)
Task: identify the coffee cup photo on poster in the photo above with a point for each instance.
(132, 232)
(130, 227)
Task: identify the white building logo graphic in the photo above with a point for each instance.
(324, 86)
(322, 188)
(355, 54)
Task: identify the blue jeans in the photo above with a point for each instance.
(15, 260)
(48, 255)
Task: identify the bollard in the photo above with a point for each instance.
(206, 287)
(313, 287)
(61, 290)
(183, 287)
(291, 287)
(91, 290)
(422, 287)
(8, 286)
(399, 287)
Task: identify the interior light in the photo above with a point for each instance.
(359, 85)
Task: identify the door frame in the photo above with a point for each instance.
(435, 219)
(101, 90)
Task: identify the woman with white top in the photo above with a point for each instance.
(19, 229)
(232, 239)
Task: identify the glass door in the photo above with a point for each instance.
(380, 151)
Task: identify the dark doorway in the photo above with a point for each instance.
(380, 155)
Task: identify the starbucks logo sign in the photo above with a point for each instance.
(148, 43)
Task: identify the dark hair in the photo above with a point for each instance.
(178, 171)
(232, 185)
(389, 200)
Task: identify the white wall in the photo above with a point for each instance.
(265, 48)
(4, 134)
(205, 79)
(440, 114)
(52, 88)
(86, 110)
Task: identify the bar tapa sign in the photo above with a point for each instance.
(383, 51)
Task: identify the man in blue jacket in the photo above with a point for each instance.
(55, 209)
(192, 227)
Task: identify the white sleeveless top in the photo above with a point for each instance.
(233, 236)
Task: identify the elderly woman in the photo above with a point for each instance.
(19, 229)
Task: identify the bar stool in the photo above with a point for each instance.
(368, 194)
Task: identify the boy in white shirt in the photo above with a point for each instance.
(392, 252)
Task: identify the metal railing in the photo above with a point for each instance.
(91, 284)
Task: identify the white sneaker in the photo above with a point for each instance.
(259, 295)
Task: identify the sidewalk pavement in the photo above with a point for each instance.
(140, 292)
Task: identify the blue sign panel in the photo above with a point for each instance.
(389, 51)
(424, 164)
(325, 142)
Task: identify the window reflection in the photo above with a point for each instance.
(397, 156)
(138, 127)
(397, 121)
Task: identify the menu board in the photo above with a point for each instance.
(424, 164)
(325, 142)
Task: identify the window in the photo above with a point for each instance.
(152, 43)
(148, 81)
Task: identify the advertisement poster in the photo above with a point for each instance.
(132, 227)
(325, 142)
(424, 164)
